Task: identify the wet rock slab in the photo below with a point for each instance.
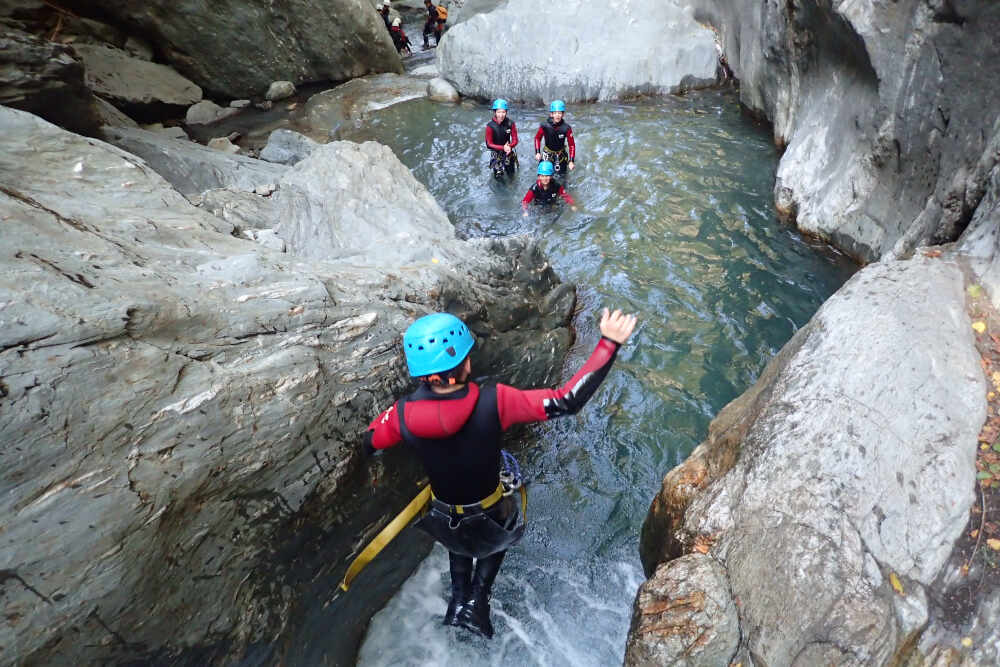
(325, 112)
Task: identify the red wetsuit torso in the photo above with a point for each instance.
(546, 195)
(497, 134)
(458, 435)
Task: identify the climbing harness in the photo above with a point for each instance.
(510, 481)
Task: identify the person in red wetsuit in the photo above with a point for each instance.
(559, 146)
(455, 427)
(501, 138)
(546, 189)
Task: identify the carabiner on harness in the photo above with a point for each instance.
(510, 474)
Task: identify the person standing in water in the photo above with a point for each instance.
(383, 11)
(559, 148)
(501, 138)
(456, 427)
(436, 18)
(546, 189)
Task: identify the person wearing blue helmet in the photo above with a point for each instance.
(501, 138)
(545, 189)
(559, 148)
(455, 427)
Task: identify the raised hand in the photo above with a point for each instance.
(617, 326)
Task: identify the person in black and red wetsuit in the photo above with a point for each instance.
(559, 146)
(455, 426)
(546, 189)
(501, 138)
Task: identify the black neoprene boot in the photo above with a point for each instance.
(461, 585)
(475, 614)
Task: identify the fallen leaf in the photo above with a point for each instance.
(967, 642)
(975, 291)
(984, 446)
(896, 584)
(983, 475)
(974, 534)
(991, 395)
(996, 446)
(979, 326)
(964, 570)
(993, 543)
(932, 253)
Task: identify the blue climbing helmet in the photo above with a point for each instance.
(557, 105)
(435, 344)
(499, 104)
(546, 168)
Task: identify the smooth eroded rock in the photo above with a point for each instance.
(286, 146)
(116, 75)
(586, 51)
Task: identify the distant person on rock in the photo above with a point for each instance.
(456, 427)
(557, 135)
(399, 37)
(384, 12)
(437, 16)
(546, 189)
(501, 138)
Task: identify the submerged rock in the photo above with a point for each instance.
(833, 491)
(182, 407)
(325, 112)
(207, 112)
(585, 51)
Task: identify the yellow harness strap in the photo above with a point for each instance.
(485, 503)
(403, 519)
(386, 535)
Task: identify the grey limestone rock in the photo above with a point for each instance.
(286, 146)
(325, 112)
(109, 114)
(852, 461)
(243, 210)
(684, 615)
(880, 108)
(207, 112)
(325, 201)
(236, 50)
(181, 407)
(580, 54)
(45, 78)
(223, 144)
(116, 75)
(279, 90)
(439, 90)
(190, 167)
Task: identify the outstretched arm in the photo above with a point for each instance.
(383, 432)
(517, 406)
(513, 134)
(571, 144)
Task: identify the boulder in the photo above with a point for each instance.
(182, 407)
(880, 110)
(287, 147)
(223, 144)
(243, 210)
(833, 491)
(325, 112)
(341, 188)
(463, 10)
(118, 76)
(237, 52)
(279, 90)
(425, 72)
(190, 167)
(439, 90)
(588, 51)
(207, 112)
(684, 616)
(44, 78)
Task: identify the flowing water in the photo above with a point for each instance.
(675, 223)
